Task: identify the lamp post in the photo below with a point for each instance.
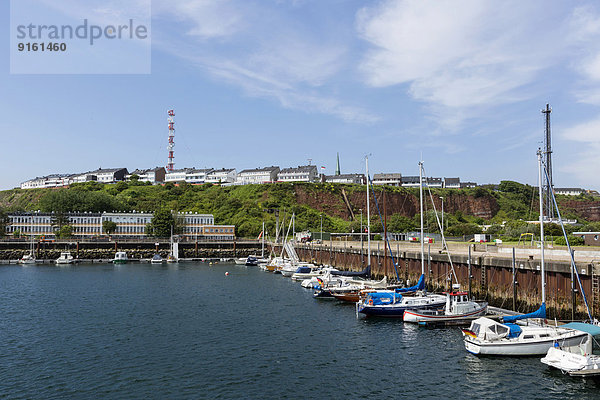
(361, 234)
(321, 215)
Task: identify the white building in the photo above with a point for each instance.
(569, 191)
(103, 175)
(303, 173)
(221, 176)
(258, 175)
(410, 181)
(452, 183)
(152, 175)
(129, 225)
(393, 179)
(346, 178)
(189, 175)
(49, 181)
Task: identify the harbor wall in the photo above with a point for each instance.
(135, 249)
(491, 276)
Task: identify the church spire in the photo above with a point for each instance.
(337, 168)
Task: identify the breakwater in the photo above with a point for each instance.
(12, 250)
(487, 275)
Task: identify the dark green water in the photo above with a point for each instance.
(189, 331)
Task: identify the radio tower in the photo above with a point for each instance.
(548, 161)
(171, 145)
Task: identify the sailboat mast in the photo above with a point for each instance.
(368, 215)
(539, 154)
(262, 250)
(421, 205)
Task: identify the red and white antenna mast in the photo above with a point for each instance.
(171, 145)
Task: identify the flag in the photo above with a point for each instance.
(259, 236)
(322, 168)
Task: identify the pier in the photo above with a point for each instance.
(485, 270)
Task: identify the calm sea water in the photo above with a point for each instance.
(189, 331)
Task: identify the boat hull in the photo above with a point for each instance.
(416, 316)
(518, 347)
(395, 311)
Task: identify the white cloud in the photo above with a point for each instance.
(585, 165)
(458, 54)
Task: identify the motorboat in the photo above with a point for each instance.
(156, 259)
(576, 360)
(65, 258)
(391, 303)
(488, 337)
(458, 309)
(307, 272)
(120, 258)
(240, 261)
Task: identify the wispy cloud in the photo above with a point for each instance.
(255, 46)
(460, 54)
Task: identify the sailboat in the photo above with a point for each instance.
(392, 303)
(29, 258)
(489, 337)
(173, 256)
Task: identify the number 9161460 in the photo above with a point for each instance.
(49, 46)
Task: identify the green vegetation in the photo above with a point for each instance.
(509, 206)
(109, 227)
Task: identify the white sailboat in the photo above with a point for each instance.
(173, 256)
(29, 258)
(488, 337)
(391, 303)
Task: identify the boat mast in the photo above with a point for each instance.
(421, 205)
(368, 216)
(539, 154)
(262, 250)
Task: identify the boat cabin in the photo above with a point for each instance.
(488, 329)
(459, 303)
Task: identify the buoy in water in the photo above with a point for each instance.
(226, 273)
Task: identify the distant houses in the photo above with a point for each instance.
(258, 175)
(303, 173)
(230, 176)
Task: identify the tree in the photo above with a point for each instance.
(161, 224)
(3, 222)
(109, 227)
(64, 232)
(59, 220)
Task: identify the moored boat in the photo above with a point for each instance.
(576, 360)
(65, 258)
(458, 309)
(120, 258)
(156, 259)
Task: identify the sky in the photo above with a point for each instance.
(256, 83)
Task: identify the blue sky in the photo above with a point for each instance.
(275, 82)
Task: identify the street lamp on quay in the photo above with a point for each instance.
(361, 234)
(321, 215)
(442, 228)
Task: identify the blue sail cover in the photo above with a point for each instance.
(383, 298)
(304, 270)
(419, 286)
(515, 330)
(539, 313)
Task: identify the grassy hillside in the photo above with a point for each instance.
(246, 206)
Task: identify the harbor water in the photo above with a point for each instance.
(189, 331)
